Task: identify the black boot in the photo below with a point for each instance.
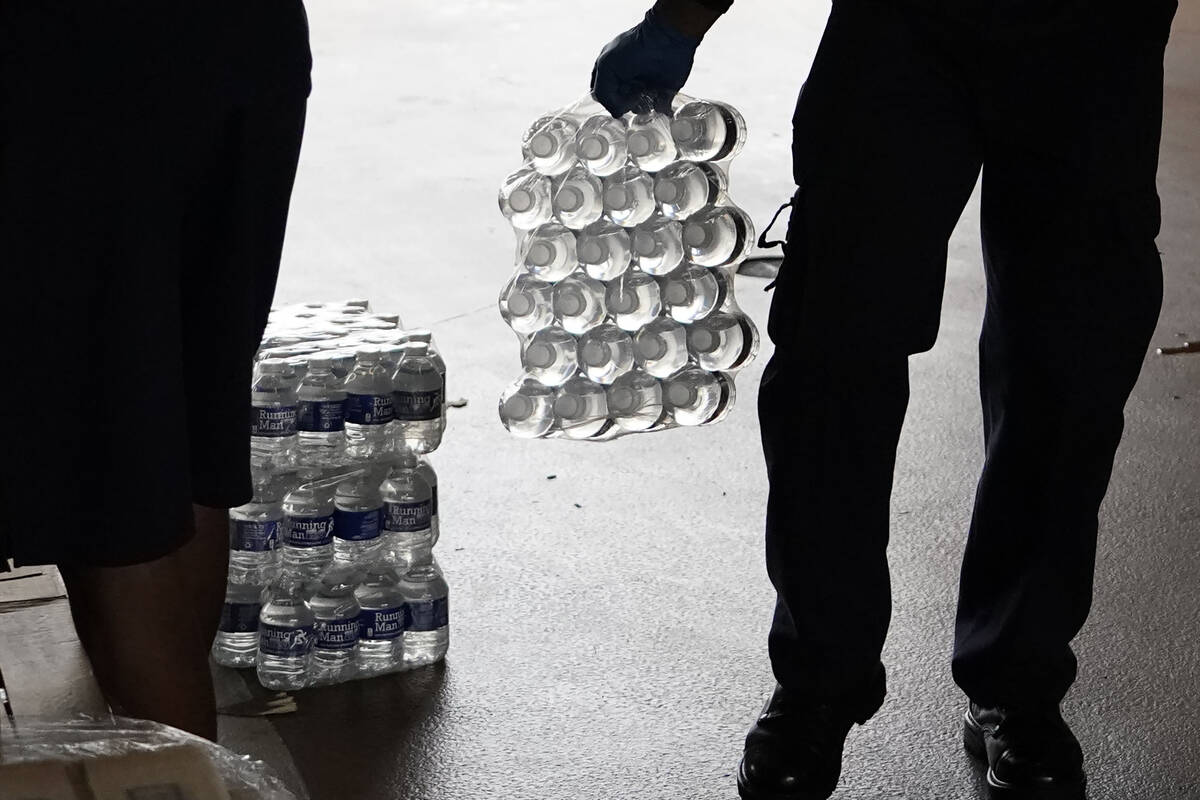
(1031, 753)
(794, 751)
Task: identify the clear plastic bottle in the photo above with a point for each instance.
(690, 293)
(549, 252)
(581, 407)
(718, 342)
(719, 236)
(579, 303)
(236, 643)
(527, 409)
(658, 245)
(649, 141)
(426, 471)
(382, 623)
(660, 347)
(285, 637)
(306, 538)
(606, 353)
(704, 130)
(321, 416)
(604, 250)
(336, 617)
(635, 401)
(357, 516)
(254, 527)
(629, 197)
(525, 199)
(417, 393)
(634, 299)
(273, 412)
(685, 187)
(527, 304)
(424, 335)
(369, 409)
(696, 397)
(600, 144)
(549, 144)
(551, 356)
(578, 198)
(427, 603)
(407, 510)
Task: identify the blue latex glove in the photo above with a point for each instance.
(644, 67)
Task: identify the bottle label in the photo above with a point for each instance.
(356, 526)
(284, 642)
(321, 416)
(414, 406)
(239, 617)
(383, 624)
(272, 422)
(336, 634)
(254, 536)
(308, 531)
(429, 615)
(369, 409)
(407, 517)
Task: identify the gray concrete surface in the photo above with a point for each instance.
(609, 625)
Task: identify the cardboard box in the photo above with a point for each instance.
(183, 772)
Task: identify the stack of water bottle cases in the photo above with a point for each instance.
(331, 568)
(623, 294)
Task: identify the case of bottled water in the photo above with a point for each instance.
(332, 575)
(623, 295)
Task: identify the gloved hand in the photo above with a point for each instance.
(644, 67)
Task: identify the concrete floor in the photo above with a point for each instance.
(609, 625)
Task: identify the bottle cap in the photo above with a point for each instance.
(593, 251)
(570, 303)
(543, 145)
(273, 365)
(593, 148)
(695, 234)
(684, 130)
(569, 406)
(651, 346)
(596, 354)
(640, 143)
(680, 395)
(539, 355)
(419, 335)
(622, 400)
(617, 198)
(667, 191)
(520, 304)
(367, 353)
(520, 201)
(677, 293)
(624, 302)
(644, 243)
(541, 254)
(702, 340)
(518, 408)
(569, 199)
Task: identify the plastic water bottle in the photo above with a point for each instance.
(719, 342)
(526, 304)
(549, 252)
(321, 417)
(336, 617)
(691, 293)
(369, 409)
(658, 245)
(600, 144)
(427, 603)
(425, 336)
(236, 643)
(407, 510)
(306, 538)
(254, 527)
(551, 356)
(579, 303)
(527, 409)
(685, 187)
(581, 407)
(660, 347)
(606, 353)
(649, 141)
(357, 516)
(718, 236)
(525, 199)
(426, 472)
(697, 397)
(285, 637)
(578, 198)
(382, 623)
(707, 131)
(549, 144)
(603, 249)
(273, 412)
(635, 401)
(417, 392)
(629, 197)
(634, 299)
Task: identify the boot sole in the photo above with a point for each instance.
(746, 792)
(998, 789)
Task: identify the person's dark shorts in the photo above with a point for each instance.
(147, 155)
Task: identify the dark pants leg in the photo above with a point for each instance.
(1074, 286)
(886, 155)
